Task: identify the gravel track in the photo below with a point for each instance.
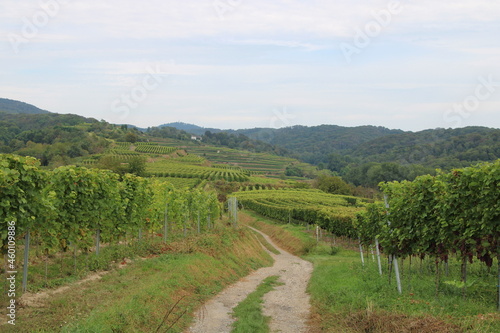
(287, 305)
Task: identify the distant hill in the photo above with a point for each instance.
(310, 144)
(437, 148)
(17, 107)
(313, 144)
(192, 129)
(362, 155)
(343, 148)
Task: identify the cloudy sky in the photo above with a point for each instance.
(411, 65)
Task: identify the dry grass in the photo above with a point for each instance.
(378, 321)
(284, 238)
(139, 296)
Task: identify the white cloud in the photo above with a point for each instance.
(260, 55)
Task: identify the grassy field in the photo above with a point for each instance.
(156, 293)
(348, 297)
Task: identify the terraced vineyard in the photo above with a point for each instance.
(335, 213)
(260, 163)
(180, 183)
(153, 148)
(177, 169)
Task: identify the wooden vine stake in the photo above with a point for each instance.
(26, 256)
(165, 225)
(232, 204)
(498, 258)
(97, 241)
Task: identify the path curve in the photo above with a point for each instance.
(287, 305)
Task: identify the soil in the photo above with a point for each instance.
(287, 305)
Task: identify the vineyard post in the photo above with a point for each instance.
(199, 228)
(498, 259)
(165, 225)
(26, 256)
(235, 212)
(378, 256)
(361, 252)
(396, 271)
(97, 241)
(74, 256)
(395, 258)
(317, 234)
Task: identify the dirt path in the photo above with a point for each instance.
(287, 305)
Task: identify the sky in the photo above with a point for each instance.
(410, 65)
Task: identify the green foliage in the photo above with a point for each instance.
(437, 215)
(372, 173)
(293, 171)
(242, 142)
(70, 204)
(131, 137)
(23, 197)
(332, 185)
(330, 212)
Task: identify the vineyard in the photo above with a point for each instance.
(153, 148)
(443, 217)
(254, 162)
(79, 208)
(335, 213)
(184, 168)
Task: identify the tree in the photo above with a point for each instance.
(333, 185)
(137, 165)
(131, 137)
(293, 171)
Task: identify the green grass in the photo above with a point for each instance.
(144, 294)
(290, 237)
(347, 297)
(249, 312)
(266, 244)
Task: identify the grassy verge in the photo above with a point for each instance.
(291, 238)
(265, 243)
(249, 312)
(157, 292)
(347, 297)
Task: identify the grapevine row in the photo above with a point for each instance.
(457, 212)
(335, 213)
(69, 204)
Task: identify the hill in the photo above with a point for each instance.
(17, 107)
(438, 148)
(191, 128)
(309, 144)
(363, 155)
(366, 155)
(314, 144)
